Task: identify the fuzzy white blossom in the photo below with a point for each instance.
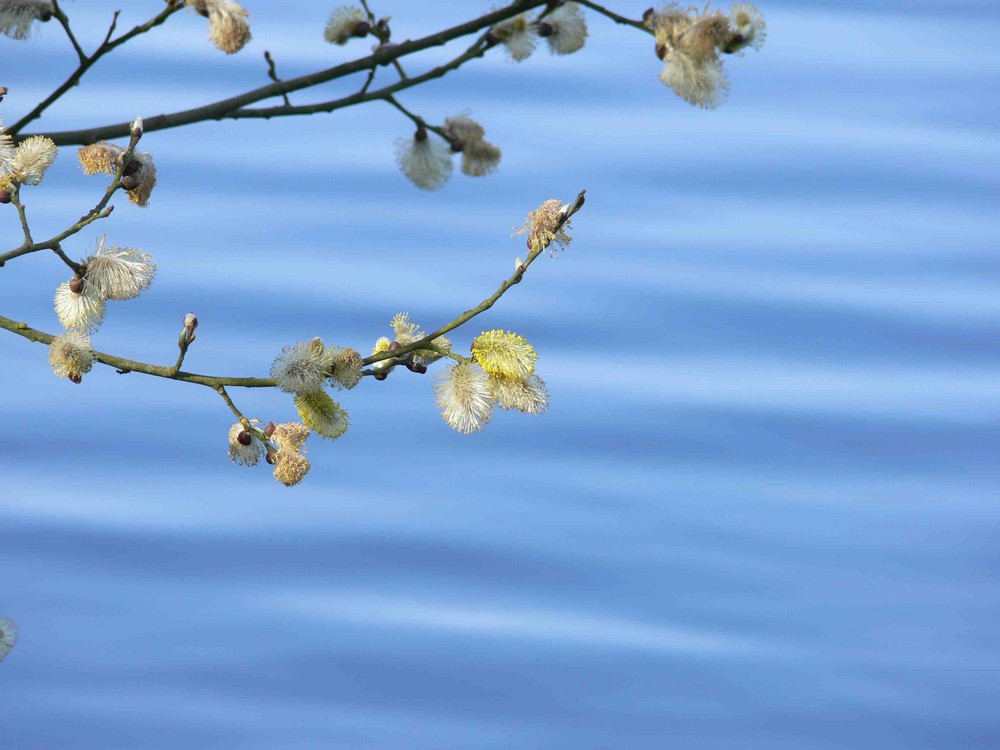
(567, 29)
(425, 160)
(528, 395)
(7, 150)
(81, 311)
(301, 368)
(32, 157)
(8, 636)
(244, 455)
(465, 397)
(517, 35)
(17, 16)
(342, 24)
(118, 273)
(749, 28)
(227, 24)
(71, 356)
(702, 84)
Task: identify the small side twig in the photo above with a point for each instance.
(273, 75)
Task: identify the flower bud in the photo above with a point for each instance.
(271, 457)
(381, 375)
(361, 28)
(5, 196)
(394, 346)
(244, 438)
(76, 285)
(76, 378)
(130, 183)
(131, 168)
(545, 29)
(136, 127)
(190, 321)
(648, 14)
(661, 51)
(269, 429)
(418, 367)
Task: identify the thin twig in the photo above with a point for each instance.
(272, 73)
(614, 16)
(63, 20)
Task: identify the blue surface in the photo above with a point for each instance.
(761, 513)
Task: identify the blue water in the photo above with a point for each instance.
(761, 513)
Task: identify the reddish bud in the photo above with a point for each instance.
(271, 457)
(269, 429)
(648, 14)
(76, 285)
(5, 196)
(661, 50)
(361, 28)
(546, 29)
(394, 346)
(421, 134)
(244, 438)
(190, 321)
(131, 168)
(417, 367)
(381, 375)
(130, 183)
(492, 37)
(76, 378)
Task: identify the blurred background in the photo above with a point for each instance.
(761, 512)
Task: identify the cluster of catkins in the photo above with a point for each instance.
(690, 41)
(305, 370)
(500, 373)
(110, 273)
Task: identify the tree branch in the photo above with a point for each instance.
(227, 107)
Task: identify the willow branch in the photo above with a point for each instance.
(130, 365)
(227, 107)
(86, 62)
(97, 212)
(487, 303)
(172, 372)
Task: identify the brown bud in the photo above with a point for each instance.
(130, 183)
(492, 37)
(5, 196)
(76, 285)
(76, 378)
(661, 51)
(361, 28)
(131, 168)
(271, 456)
(546, 29)
(648, 14)
(269, 429)
(45, 16)
(244, 438)
(381, 375)
(394, 346)
(418, 367)
(421, 134)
